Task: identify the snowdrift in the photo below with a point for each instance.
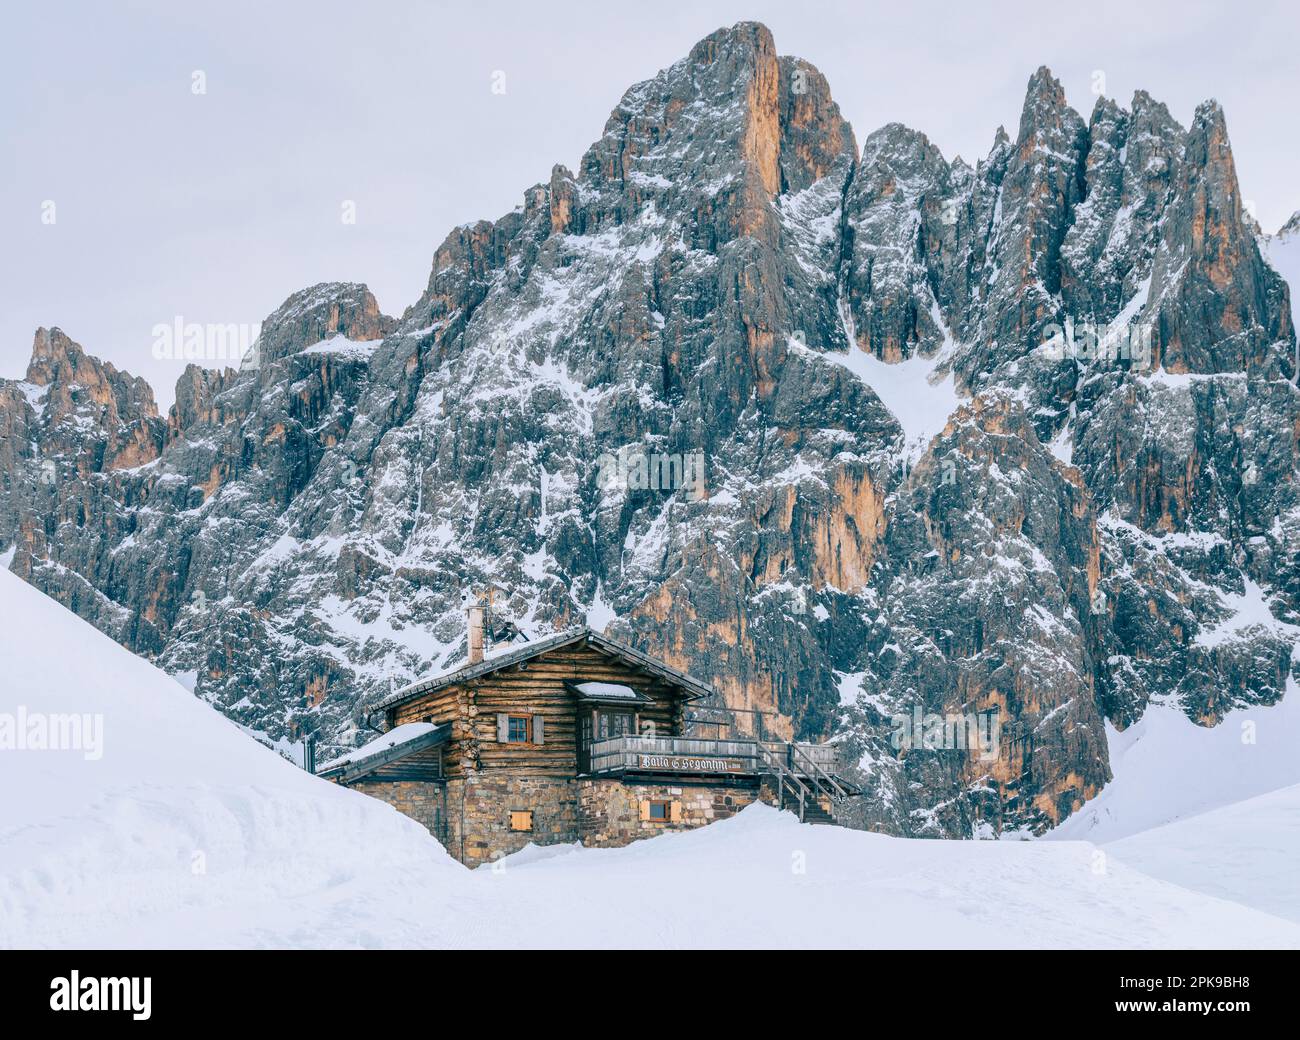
(1216, 810)
(178, 829)
(1167, 768)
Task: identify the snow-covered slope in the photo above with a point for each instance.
(1214, 810)
(1283, 253)
(761, 878)
(186, 832)
(182, 830)
(1247, 852)
(1166, 768)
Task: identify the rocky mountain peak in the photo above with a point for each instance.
(898, 144)
(53, 352)
(320, 312)
(60, 363)
(1208, 147)
(743, 45)
(1209, 264)
(733, 125)
(1045, 109)
(78, 384)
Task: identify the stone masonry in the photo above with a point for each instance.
(610, 811)
(478, 813)
(421, 800)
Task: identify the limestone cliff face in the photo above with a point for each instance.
(854, 475)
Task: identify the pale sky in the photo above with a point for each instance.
(215, 207)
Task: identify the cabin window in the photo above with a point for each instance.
(615, 724)
(521, 729)
(521, 819)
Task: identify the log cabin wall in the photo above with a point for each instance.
(449, 704)
(537, 688)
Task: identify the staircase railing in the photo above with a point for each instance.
(785, 777)
(821, 778)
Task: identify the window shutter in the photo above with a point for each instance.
(539, 730)
(645, 810)
(503, 727)
(675, 812)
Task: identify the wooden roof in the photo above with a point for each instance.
(381, 751)
(692, 688)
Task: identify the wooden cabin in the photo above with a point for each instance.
(574, 737)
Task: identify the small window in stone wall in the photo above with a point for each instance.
(660, 810)
(521, 819)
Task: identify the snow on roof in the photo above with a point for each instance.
(606, 689)
(402, 734)
(490, 654)
(511, 653)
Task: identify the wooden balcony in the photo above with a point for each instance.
(687, 756)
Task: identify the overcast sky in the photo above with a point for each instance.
(215, 206)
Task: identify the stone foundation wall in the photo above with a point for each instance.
(419, 799)
(478, 811)
(610, 811)
(471, 816)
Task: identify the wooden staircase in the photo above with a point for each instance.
(801, 784)
(813, 812)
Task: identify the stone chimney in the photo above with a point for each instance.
(475, 612)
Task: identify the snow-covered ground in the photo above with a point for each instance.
(170, 827)
(1244, 852)
(1214, 810)
(1166, 768)
(177, 829)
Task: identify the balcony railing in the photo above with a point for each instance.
(687, 755)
